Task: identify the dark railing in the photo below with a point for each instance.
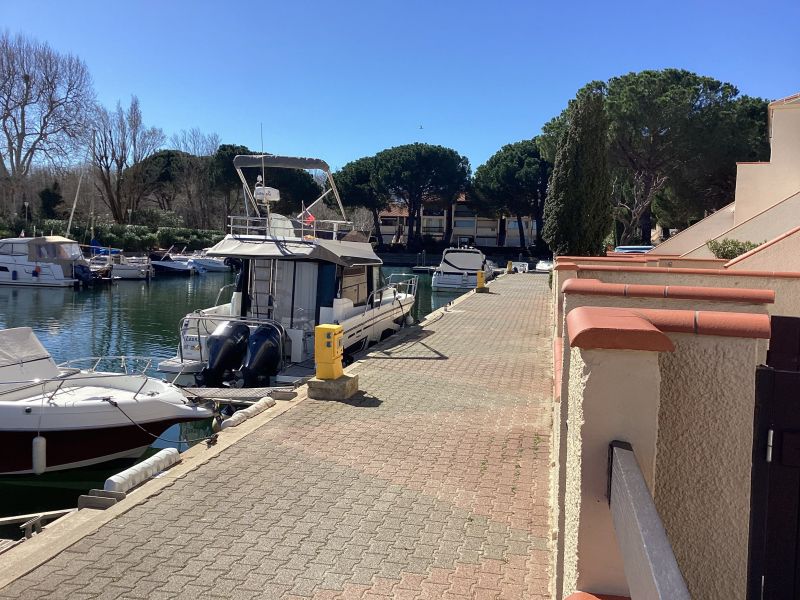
(650, 566)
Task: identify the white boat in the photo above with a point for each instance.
(294, 276)
(544, 266)
(164, 264)
(459, 269)
(122, 267)
(61, 417)
(202, 262)
(47, 261)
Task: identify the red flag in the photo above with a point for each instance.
(309, 219)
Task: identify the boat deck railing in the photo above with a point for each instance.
(261, 226)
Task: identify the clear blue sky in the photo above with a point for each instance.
(341, 80)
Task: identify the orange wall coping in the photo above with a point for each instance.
(595, 287)
(682, 271)
(758, 249)
(617, 257)
(644, 329)
(585, 596)
(566, 266)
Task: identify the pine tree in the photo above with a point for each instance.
(578, 212)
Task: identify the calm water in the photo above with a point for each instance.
(127, 318)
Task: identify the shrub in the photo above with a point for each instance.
(729, 249)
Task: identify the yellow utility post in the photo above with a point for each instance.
(481, 284)
(510, 267)
(328, 351)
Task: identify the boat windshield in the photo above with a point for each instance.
(64, 251)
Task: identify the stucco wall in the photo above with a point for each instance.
(691, 237)
(704, 447)
(759, 186)
(784, 252)
(762, 227)
(612, 394)
(787, 289)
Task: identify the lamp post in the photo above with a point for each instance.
(130, 210)
(25, 204)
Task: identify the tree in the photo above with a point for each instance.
(356, 182)
(223, 174)
(514, 181)
(195, 172)
(45, 102)
(577, 212)
(419, 173)
(674, 139)
(50, 198)
(122, 141)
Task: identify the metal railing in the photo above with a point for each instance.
(650, 566)
(261, 226)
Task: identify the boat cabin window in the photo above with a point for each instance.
(354, 285)
(8, 248)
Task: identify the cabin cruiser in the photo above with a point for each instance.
(54, 417)
(459, 269)
(296, 273)
(48, 261)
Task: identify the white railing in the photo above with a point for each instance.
(261, 226)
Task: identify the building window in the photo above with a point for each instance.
(464, 223)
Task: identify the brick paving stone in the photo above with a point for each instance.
(431, 483)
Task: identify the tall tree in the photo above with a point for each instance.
(577, 212)
(194, 179)
(45, 102)
(223, 174)
(674, 139)
(121, 141)
(514, 181)
(419, 173)
(50, 198)
(356, 182)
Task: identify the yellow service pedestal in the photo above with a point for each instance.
(510, 267)
(481, 286)
(328, 351)
(330, 383)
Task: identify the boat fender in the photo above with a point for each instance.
(39, 451)
(140, 472)
(251, 411)
(36, 270)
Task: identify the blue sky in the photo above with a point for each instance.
(341, 80)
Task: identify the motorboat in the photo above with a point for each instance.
(296, 273)
(46, 261)
(118, 266)
(202, 262)
(544, 266)
(164, 264)
(57, 417)
(459, 269)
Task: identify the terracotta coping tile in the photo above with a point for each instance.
(595, 287)
(758, 249)
(617, 256)
(644, 329)
(565, 266)
(585, 596)
(614, 330)
(683, 271)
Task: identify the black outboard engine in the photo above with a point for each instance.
(264, 357)
(226, 348)
(82, 273)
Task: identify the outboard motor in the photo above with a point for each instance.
(226, 348)
(82, 273)
(264, 357)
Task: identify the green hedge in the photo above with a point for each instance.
(132, 238)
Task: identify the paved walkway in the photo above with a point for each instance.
(432, 485)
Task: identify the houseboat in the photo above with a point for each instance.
(46, 261)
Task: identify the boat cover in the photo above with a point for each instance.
(339, 252)
(285, 162)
